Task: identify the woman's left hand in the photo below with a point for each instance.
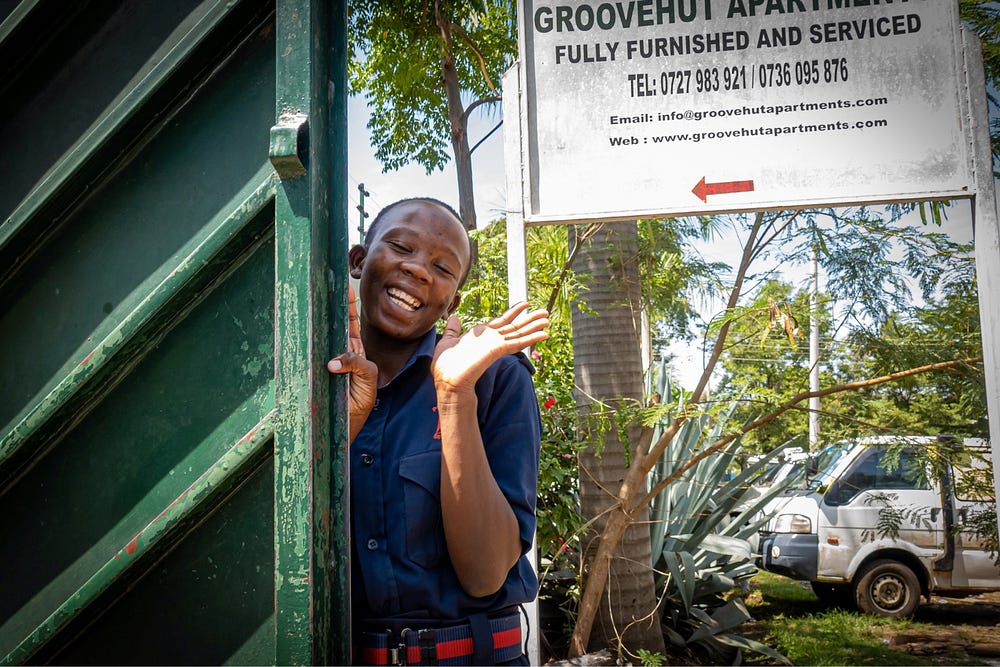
(460, 359)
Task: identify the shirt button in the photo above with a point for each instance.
(372, 545)
(367, 459)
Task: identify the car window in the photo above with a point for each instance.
(876, 470)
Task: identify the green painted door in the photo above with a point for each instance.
(171, 472)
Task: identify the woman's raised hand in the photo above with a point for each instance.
(460, 359)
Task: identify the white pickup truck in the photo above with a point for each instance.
(871, 530)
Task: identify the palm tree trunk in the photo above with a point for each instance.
(608, 371)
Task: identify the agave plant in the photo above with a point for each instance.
(701, 530)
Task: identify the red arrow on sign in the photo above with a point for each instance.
(703, 189)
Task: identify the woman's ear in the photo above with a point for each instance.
(356, 260)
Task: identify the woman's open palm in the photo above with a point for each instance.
(460, 359)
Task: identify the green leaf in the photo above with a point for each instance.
(738, 641)
(727, 546)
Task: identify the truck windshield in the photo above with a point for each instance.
(826, 461)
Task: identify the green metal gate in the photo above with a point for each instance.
(172, 198)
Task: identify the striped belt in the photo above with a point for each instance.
(450, 645)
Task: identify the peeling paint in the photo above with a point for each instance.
(133, 545)
(253, 367)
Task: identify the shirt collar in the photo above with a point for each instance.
(425, 350)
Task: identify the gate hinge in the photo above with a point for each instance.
(290, 145)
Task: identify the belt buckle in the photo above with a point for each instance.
(427, 640)
(397, 655)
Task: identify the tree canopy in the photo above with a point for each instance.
(424, 67)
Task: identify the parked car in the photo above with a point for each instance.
(876, 529)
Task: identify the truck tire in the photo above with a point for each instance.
(833, 595)
(887, 588)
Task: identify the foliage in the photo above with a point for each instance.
(650, 659)
(396, 52)
(484, 295)
(558, 514)
(762, 361)
(673, 274)
(873, 263)
(948, 326)
(424, 67)
(700, 525)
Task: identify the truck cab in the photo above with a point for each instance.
(878, 528)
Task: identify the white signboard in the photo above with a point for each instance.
(637, 108)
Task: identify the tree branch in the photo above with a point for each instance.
(477, 103)
(568, 264)
(479, 56)
(785, 407)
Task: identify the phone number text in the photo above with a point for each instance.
(739, 77)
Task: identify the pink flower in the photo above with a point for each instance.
(536, 355)
(549, 403)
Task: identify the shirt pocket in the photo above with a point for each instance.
(421, 475)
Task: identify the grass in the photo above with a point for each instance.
(789, 618)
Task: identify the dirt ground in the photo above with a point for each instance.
(971, 624)
(951, 630)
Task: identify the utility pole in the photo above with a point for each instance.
(814, 353)
(362, 193)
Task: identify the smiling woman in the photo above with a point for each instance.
(415, 258)
(445, 434)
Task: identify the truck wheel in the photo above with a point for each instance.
(887, 588)
(833, 595)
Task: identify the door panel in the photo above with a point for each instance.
(974, 565)
(142, 412)
(878, 496)
(220, 587)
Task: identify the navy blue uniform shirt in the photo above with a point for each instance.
(400, 559)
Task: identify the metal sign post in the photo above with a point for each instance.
(986, 229)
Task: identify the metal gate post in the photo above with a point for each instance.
(986, 232)
(308, 150)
